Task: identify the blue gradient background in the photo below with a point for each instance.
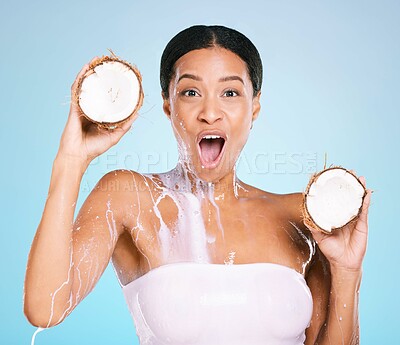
(331, 80)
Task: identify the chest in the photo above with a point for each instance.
(185, 228)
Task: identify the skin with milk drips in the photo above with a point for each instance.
(211, 115)
(198, 212)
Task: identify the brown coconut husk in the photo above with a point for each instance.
(307, 218)
(103, 59)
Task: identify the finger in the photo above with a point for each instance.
(82, 72)
(126, 126)
(94, 59)
(360, 234)
(365, 207)
(118, 133)
(318, 235)
(362, 180)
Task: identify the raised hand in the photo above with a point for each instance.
(345, 248)
(82, 139)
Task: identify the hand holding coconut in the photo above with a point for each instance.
(59, 239)
(106, 97)
(335, 209)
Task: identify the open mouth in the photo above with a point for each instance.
(211, 147)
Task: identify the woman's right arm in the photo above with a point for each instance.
(67, 258)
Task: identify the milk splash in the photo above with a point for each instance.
(192, 237)
(39, 329)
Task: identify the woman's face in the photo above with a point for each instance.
(211, 108)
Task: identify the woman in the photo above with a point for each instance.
(202, 257)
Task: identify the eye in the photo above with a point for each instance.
(190, 93)
(230, 93)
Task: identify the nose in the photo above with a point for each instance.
(210, 111)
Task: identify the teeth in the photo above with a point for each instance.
(211, 137)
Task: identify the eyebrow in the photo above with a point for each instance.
(189, 76)
(197, 78)
(231, 77)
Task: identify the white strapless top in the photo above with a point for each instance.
(213, 304)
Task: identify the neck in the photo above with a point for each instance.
(229, 186)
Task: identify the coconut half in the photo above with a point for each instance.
(333, 199)
(110, 92)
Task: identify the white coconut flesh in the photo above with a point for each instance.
(110, 94)
(334, 199)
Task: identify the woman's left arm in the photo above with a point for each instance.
(344, 251)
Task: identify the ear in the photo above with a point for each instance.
(166, 107)
(256, 106)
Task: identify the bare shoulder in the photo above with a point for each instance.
(117, 191)
(121, 180)
(291, 203)
(122, 183)
(288, 205)
(128, 193)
